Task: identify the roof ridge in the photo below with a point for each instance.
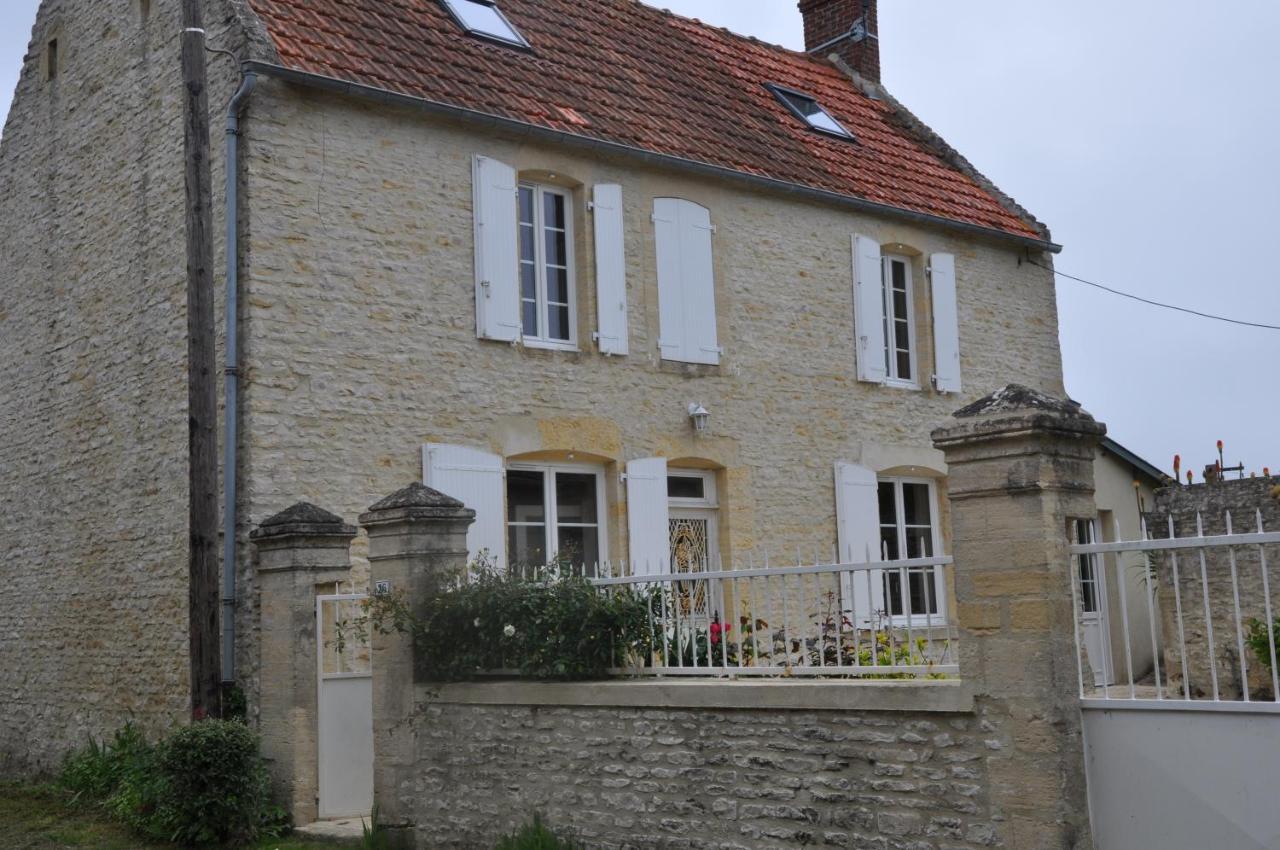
(698, 22)
(929, 137)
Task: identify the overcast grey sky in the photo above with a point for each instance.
(1146, 133)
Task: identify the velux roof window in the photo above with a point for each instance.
(485, 19)
(810, 111)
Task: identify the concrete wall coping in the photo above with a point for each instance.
(935, 696)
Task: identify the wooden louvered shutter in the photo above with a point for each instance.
(477, 479)
(611, 270)
(858, 535)
(869, 309)
(497, 257)
(686, 282)
(648, 516)
(946, 323)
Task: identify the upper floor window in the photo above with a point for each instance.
(555, 515)
(810, 111)
(885, 319)
(485, 19)
(548, 314)
(899, 320)
(51, 60)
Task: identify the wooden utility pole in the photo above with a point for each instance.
(201, 387)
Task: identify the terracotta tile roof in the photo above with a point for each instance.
(621, 71)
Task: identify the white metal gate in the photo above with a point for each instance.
(1182, 756)
(345, 700)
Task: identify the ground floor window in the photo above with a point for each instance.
(555, 513)
(909, 530)
(1089, 591)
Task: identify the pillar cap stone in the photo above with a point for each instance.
(1016, 409)
(303, 520)
(417, 501)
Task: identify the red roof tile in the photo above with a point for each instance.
(624, 72)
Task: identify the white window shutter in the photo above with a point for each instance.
(648, 518)
(868, 307)
(666, 225)
(611, 269)
(858, 533)
(497, 251)
(946, 323)
(686, 282)
(477, 479)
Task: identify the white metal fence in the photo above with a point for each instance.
(870, 620)
(1207, 599)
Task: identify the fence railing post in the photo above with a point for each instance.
(299, 552)
(417, 543)
(1020, 467)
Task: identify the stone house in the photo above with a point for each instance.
(630, 286)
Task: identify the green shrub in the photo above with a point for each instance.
(535, 836)
(373, 835)
(553, 626)
(100, 770)
(1259, 639)
(203, 785)
(215, 785)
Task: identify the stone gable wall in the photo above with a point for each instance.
(93, 430)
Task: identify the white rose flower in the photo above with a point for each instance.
(477, 623)
(509, 631)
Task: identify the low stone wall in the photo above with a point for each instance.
(650, 765)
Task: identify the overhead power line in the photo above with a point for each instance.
(1161, 304)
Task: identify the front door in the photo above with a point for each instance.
(694, 549)
(1094, 631)
(345, 733)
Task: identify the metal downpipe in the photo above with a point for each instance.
(232, 377)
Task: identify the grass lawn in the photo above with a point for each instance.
(40, 818)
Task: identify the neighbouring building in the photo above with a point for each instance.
(1126, 488)
(632, 287)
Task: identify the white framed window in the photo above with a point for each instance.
(808, 110)
(909, 530)
(556, 512)
(691, 488)
(483, 18)
(898, 292)
(548, 311)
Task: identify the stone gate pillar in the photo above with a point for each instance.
(417, 542)
(1021, 467)
(302, 552)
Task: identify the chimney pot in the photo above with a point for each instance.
(849, 28)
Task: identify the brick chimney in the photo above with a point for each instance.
(846, 27)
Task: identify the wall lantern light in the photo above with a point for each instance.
(701, 418)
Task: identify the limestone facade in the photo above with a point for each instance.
(359, 343)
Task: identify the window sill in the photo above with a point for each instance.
(909, 386)
(550, 345)
(929, 696)
(690, 370)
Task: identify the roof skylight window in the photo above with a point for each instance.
(485, 19)
(810, 111)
